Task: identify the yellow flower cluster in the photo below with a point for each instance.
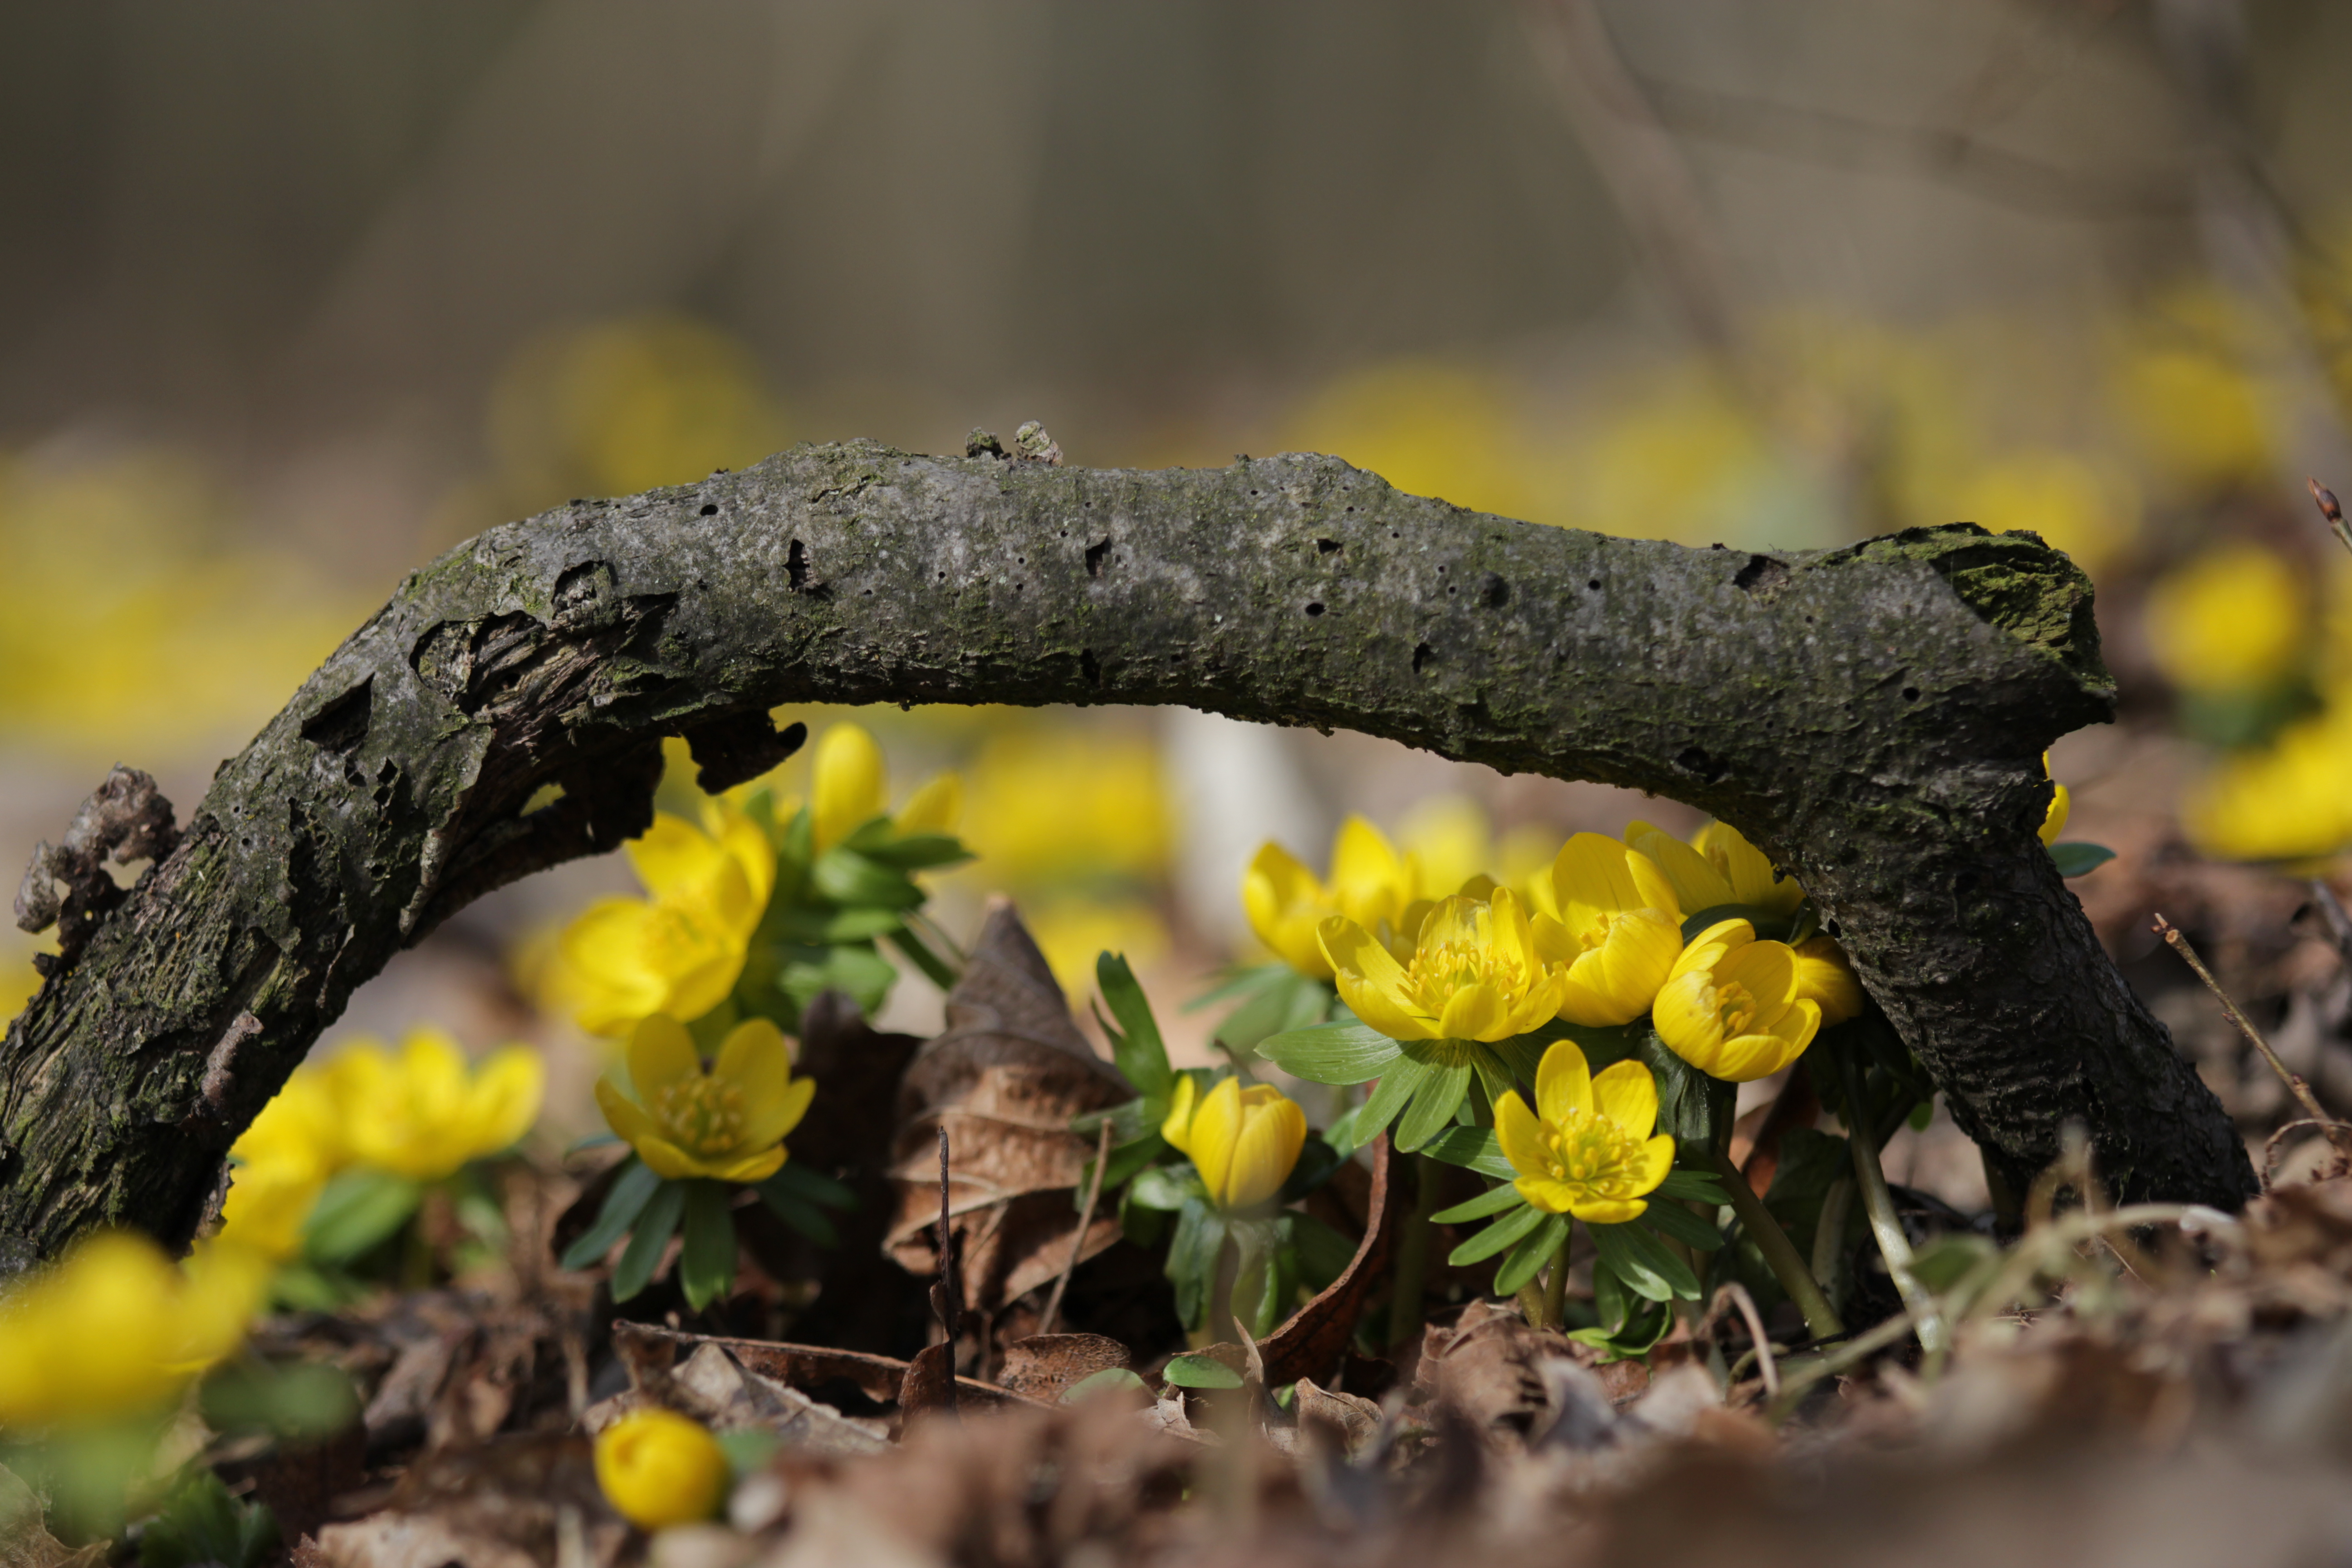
(1603, 946)
(680, 950)
(421, 1113)
(116, 1328)
(1244, 1141)
(728, 1122)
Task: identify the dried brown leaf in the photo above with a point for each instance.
(1046, 1366)
(518, 1502)
(1314, 1340)
(1004, 1079)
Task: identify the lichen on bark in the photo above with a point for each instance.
(1873, 716)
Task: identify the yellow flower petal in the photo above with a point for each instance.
(1285, 904)
(509, 1087)
(934, 808)
(746, 1168)
(661, 1053)
(1520, 1134)
(668, 1160)
(629, 1120)
(1825, 975)
(754, 1058)
(1216, 1128)
(672, 855)
(1564, 1082)
(1177, 1129)
(1474, 1012)
(1370, 981)
(1627, 1094)
(791, 1107)
(1274, 1130)
(1608, 1211)
(1747, 869)
(1370, 882)
(1697, 884)
(850, 787)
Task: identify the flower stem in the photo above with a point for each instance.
(1555, 1289)
(1779, 1253)
(1220, 1293)
(1412, 1253)
(1829, 1237)
(1878, 1205)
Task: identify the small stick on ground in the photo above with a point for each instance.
(1053, 1314)
(2293, 1080)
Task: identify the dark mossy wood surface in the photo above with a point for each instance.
(1874, 717)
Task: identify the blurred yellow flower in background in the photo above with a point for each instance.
(1244, 1141)
(2287, 801)
(1072, 928)
(2179, 382)
(727, 1123)
(425, 1112)
(2235, 618)
(116, 1328)
(1590, 1147)
(616, 407)
(1479, 971)
(2087, 511)
(680, 950)
(1717, 866)
(1430, 429)
(1622, 916)
(281, 1162)
(658, 1468)
(1731, 1009)
(128, 609)
(1068, 804)
(1372, 884)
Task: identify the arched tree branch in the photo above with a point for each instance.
(1873, 716)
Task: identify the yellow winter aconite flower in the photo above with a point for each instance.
(1372, 884)
(2062, 806)
(1717, 866)
(727, 1123)
(681, 950)
(1625, 921)
(425, 1112)
(1479, 971)
(658, 1468)
(1825, 977)
(1061, 804)
(116, 1328)
(2236, 618)
(1588, 1148)
(1244, 1141)
(1731, 1009)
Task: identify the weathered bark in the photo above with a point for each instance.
(1873, 716)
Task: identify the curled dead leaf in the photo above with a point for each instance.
(1004, 1079)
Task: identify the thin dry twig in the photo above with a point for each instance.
(2293, 1080)
(1737, 1294)
(2271, 1149)
(1053, 1314)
